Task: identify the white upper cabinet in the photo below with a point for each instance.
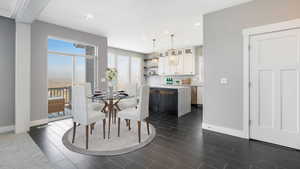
(172, 65)
(183, 63)
(162, 66)
(189, 62)
(180, 65)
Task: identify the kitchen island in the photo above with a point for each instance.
(170, 99)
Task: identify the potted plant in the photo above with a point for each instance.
(111, 77)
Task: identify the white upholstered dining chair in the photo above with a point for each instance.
(83, 112)
(95, 105)
(131, 90)
(137, 114)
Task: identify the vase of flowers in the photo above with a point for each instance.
(111, 77)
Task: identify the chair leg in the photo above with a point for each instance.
(116, 113)
(74, 131)
(139, 130)
(119, 121)
(86, 136)
(115, 116)
(117, 107)
(92, 128)
(147, 122)
(109, 121)
(129, 128)
(104, 124)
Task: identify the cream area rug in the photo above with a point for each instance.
(127, 142)
(20, 152)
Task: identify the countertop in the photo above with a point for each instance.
(170, 86)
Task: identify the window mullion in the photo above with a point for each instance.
(73, 70)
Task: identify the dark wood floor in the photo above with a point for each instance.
(179, 144)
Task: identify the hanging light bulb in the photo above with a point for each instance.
(173, 52)
(154, 53)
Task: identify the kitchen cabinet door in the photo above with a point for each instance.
(154, 100)
(189, 64)
(179, 66)
(168, 102)
(171, 67)
(199, 95)
(162, 66)
(194, 95)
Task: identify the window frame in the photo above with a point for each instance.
(74, 58)
(115, 64)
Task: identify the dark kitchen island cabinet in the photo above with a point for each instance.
(170, 99)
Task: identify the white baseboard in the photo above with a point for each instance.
(224, 130)
(38, 122)
(11, 128)
(5, 129)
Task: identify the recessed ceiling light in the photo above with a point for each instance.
(89, 16)
(197, 24)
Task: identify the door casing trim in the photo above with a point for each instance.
(247, 33)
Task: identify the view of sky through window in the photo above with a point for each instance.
(60, 68)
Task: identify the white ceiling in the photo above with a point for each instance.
(7, 7)
(132, 24)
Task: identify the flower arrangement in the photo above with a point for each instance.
(111, 74)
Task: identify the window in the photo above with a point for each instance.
(129, 68)
(136, 70)
(123, 68)
(111, 61)
(70, 63)
(60, 71)
(80, 70)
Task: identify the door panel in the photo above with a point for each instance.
(284, 55)
(289, 101)
(266, 103)
(274, 95)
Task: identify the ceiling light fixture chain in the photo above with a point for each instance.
(172, 41)
(173, 52)
(153, 44)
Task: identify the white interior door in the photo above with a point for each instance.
(274, 95)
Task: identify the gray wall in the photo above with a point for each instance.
(39, 58)
(7, 71)
(223, 55)
(118, 51)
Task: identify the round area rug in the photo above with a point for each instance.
(127, 142)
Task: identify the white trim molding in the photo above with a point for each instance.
(247, 33)
(6, 129)
(22, 77)
(224, 130)
(11, 128)
(38, 122)
(26, 11)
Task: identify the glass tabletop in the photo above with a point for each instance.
(116, 96)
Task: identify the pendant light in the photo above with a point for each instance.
(173, 60)
(154, 53)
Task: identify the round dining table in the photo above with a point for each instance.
(110, 104)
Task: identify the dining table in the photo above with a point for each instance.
(110, 101)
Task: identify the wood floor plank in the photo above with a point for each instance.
(179, 144)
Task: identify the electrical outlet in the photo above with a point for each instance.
(224, 81)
